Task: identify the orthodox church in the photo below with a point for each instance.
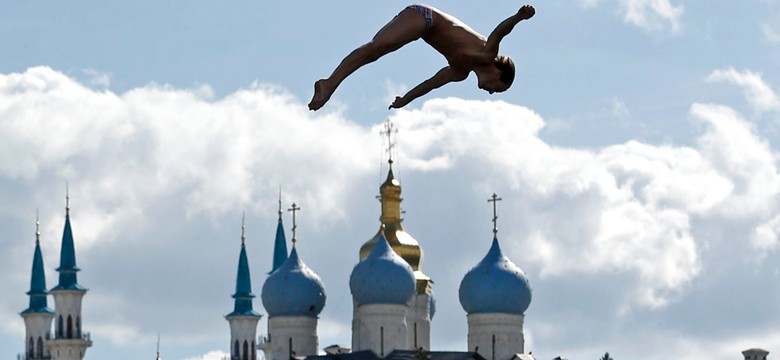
(393, 300)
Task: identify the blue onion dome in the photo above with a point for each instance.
(382, 277)
(495, 285)
(293, 290)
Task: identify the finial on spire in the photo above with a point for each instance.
(67, 199)
(294, 208)
(495, 199)
(158, 346)
(37, 228)
(280, 203)
(243, 227)
(388, 131)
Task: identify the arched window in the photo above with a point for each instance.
(254, 351)
(78, 327)
(236, 355)
(70, 327)
(40, 347)
(30, 348)
(59, 327)
(246, 351)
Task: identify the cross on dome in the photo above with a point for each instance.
(294, 209)
(388, 131)
(494, 199)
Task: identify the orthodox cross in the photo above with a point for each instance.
(294, 208)
(495, 199)
(388, 131)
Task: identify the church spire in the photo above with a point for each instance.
(280, 242)
(38, 293)
(68, 268)
(243, 296)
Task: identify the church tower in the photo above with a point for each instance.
(421, 306)
(382, 285)
(293, 296)
(243, 320)
(38, 316)
(495, 294)
(69, 342)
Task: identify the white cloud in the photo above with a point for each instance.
(211, 355)
(760, 96)
(97, 78)
(652, 15)
(145, 167)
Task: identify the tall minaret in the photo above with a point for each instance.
(69, 342)
(280, 242)
(495, 295)
(420, 313)
(38, 316)
(243, 320)
(293, 296)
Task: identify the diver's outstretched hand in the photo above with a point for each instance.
(398, 103)
(526, 12)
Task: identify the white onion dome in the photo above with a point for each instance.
(382, 277)
(495, 285)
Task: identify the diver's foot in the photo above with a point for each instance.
(322, 93)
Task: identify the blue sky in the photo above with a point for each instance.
(636, 155)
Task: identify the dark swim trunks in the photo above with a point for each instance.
(426, 12)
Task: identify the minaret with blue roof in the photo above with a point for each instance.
(280, 242)
(243, 320)
(293, 295)
(495, 294)
(38, 316)
(70, 342)
(382, 285)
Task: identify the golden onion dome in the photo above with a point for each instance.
(400, 241)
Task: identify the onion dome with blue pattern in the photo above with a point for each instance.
(495, 285)
(293, 290)
(382, 277)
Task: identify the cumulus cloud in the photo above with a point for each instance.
(649, 15)
(652, 15)
(759, 95)
(211, 355)
(154, 169)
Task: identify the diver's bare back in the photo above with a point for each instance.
(455, 40)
